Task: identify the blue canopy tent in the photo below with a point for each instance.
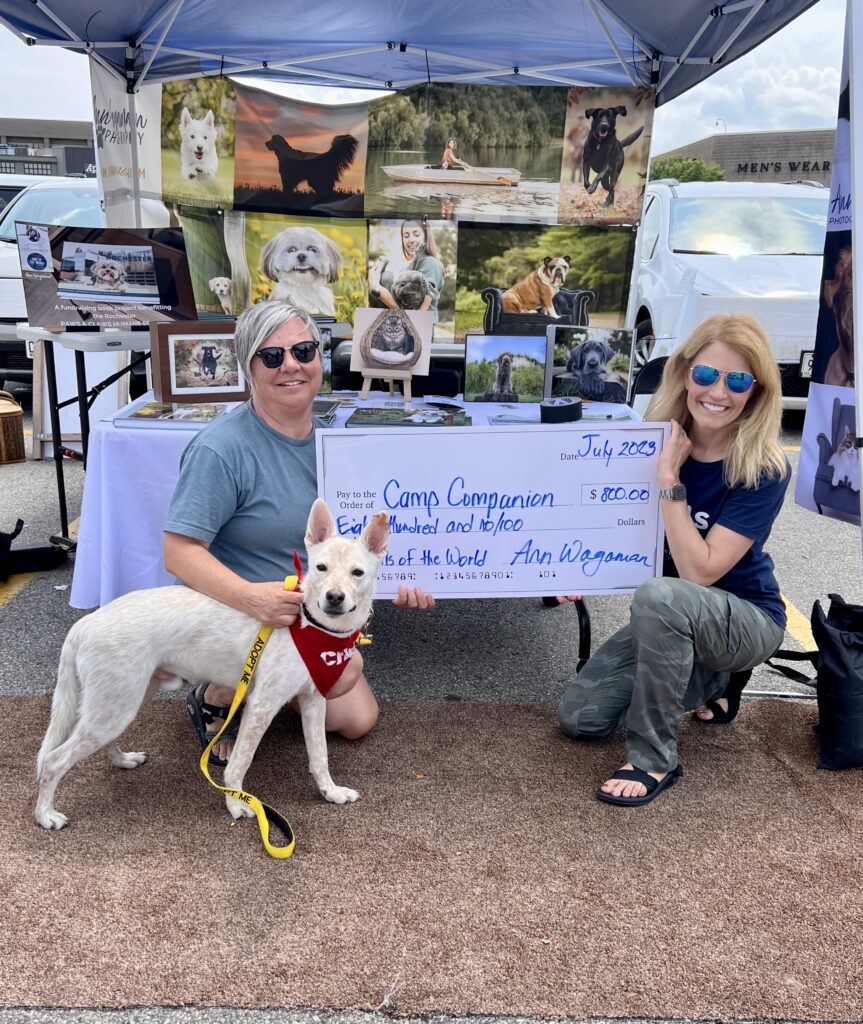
(391, 44)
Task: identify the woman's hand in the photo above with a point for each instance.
(414, 597)
(272, 605)
(563, 598)
(375, 272)
(675, 452)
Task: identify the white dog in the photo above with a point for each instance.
(198, 156)
(109, 274)
(109, 658)
(303, 262)
(222, 288)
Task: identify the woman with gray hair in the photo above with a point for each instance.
(246, 485)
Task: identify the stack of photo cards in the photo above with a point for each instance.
(408, 416)
(594, 363)
(147, 413)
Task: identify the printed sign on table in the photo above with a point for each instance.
(502, 511)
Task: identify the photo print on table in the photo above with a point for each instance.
(196, 362)
(392, 339)
(505, 369)
(594, 363)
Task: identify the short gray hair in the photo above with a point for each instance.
(258, 322)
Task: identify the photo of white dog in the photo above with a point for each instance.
(303, 263)
(199, 159)
(222, 288)
(109, 659)
(108, 274)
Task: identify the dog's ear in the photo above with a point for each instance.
(546, 260)
(607, 352)
(831, 286)
(334, 259)
(621, 111)
(576, 356)
(376, 534)
(266, 258)
(210, 120)
(567, 260)
(185, 117)
(321, 524)
(211, 284)
(591, 112)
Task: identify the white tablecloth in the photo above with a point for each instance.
(131, 474)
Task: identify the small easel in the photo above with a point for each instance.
(388, 375)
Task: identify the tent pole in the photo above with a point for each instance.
(170, 21)
(136, 183)
(853, 40)
(681, 60)
(611, 42)
(154, 24)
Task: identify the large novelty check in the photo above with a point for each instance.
(502, 511)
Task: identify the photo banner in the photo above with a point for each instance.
(828, 479)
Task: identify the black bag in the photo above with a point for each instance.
(36, 558)
(839, 636)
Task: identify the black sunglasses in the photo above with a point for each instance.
(273, 356)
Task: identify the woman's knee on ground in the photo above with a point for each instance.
(581, 718)
(663, 598)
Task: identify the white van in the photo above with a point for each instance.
(11, 184)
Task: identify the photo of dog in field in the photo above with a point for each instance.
(593, 363)
(500, 368)
(303, 263)
(295, 157)
(198, 127)
(606, 149)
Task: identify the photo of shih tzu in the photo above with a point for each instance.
(303, 263)
(109, 275)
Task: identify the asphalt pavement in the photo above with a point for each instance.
(481, 650)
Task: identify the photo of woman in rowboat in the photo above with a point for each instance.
(450, 161)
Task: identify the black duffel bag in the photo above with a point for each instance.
(839, 636)
(34, 558)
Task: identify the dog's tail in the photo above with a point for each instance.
(628, 141)
(64, 707)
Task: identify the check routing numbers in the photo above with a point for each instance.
(502, 511)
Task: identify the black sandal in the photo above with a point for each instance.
(207, 719)
(736, 684)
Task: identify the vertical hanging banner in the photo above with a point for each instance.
(197, 141)
(298, 157)
(828, 479)
(127, 149)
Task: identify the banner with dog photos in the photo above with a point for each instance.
(500, 154)
(828, 478)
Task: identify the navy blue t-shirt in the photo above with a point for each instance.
(747, 511)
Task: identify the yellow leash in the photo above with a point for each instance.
(266, 815)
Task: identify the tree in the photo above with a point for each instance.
(685, 169)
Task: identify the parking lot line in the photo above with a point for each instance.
(798, 626)
(14, 585)
(791, 447)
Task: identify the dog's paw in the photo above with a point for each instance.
(129, 758)
(52, 819)
(609, 200)
(340, 795)
(237, 809)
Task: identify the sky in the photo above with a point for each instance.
(791, 81)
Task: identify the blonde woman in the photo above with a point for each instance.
(717, 608)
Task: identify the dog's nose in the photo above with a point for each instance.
(301, 257)
(335, 598)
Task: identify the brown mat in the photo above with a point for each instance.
(477, 874)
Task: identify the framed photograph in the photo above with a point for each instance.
(505, 368)
(196, 362)
(392, 339)
(594, 363)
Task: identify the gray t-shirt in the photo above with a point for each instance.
(247, 490)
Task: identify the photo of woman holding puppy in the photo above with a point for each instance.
(418, 282)
(241, 505)
(717, 608)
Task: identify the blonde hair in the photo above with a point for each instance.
(753, 449)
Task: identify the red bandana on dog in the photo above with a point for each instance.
(324, 654)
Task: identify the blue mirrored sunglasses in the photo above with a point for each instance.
(735, 380)
(274, 355)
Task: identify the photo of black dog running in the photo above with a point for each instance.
(606, 148)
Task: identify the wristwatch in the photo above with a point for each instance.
(677, 492)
